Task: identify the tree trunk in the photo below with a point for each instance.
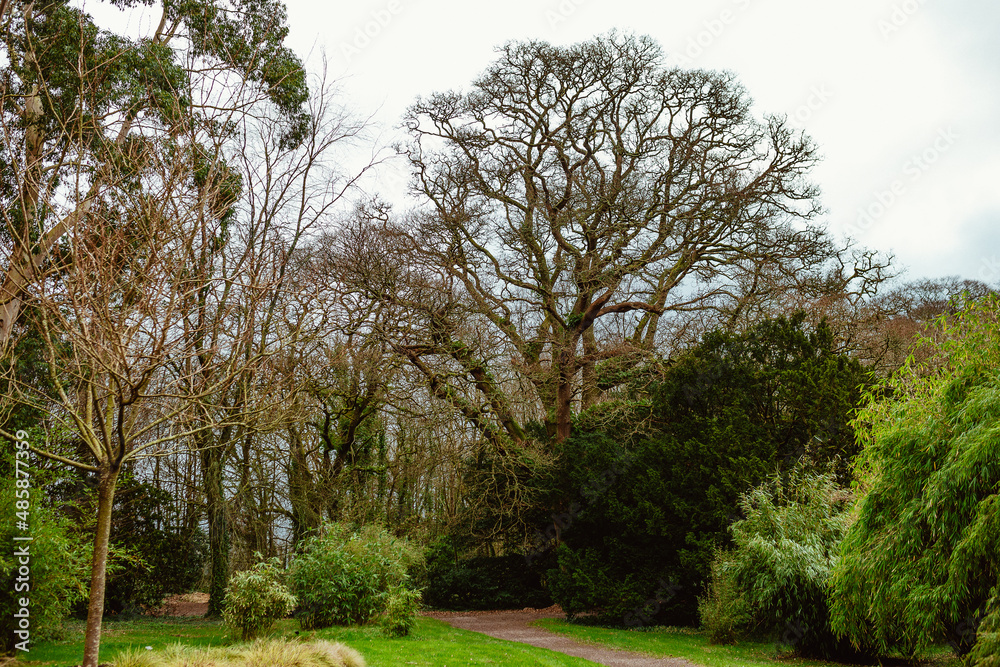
(300, 486)
(98, 576)
(218, 529)
(564, 399)
(589, 390)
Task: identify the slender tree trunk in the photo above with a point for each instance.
(99, 568)
(218, 529)
(564, 401)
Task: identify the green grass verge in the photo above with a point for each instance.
(432, 642)
(694, 646)
(120, 636)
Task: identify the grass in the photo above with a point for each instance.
(270, 652)
(118, 636)
(694, 646)
(432, 642)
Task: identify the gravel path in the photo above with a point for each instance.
(514, 626)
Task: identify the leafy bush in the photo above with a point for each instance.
(986, 652)
(584, 582)
(345, 577)
(773, 582)
(723, 612)
(923, 558)
(58, 567)
(400, 611)
(256, 598)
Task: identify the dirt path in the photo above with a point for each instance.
(189, 604)
(514, 626)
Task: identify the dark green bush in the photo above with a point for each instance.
(645, 506)
(502, 582)
(346, 577)
(584, 582)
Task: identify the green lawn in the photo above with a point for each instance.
(431, 643)
(693, 645)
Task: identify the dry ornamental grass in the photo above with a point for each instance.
(265, 653)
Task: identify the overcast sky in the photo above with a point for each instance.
(901, 96)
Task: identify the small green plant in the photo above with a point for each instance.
(400, 612)
(256, 598)
(346, 577)
(722, 612)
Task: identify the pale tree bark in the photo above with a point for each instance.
(108, 479)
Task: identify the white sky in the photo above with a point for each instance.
(901, 96)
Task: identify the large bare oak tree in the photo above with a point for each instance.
(582, 206)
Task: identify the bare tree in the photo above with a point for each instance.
(583, 204)
(113, 324)
(288, 195)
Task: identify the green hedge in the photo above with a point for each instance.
(503, 582)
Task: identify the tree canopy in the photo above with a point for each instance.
(582, 207)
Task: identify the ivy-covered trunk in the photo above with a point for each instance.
(218, 529)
